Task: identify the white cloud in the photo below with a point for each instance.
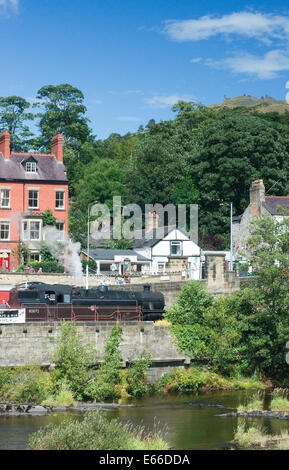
(248, 24)
(9, 6)
(128, 118)
(264, 67)
(96, 101)
(161, 101)
(133, 92)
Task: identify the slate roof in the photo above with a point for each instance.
(149, 239)
(48, 168)
(106, 254)
(273, 202)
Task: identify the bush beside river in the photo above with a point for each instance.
(96, 432)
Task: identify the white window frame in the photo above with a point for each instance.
(177, 243)
(3, 222)
(2, 198)
(25, 232)
(39, 230)
(30, 167)
(61, 232)
(60, 191)
(34, 191)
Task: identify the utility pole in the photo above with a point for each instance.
(86, 276)
(88, 236)
(231, 236)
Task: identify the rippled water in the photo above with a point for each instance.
(190, 421)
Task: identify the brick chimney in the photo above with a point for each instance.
(152, 221)
(5, 144)
(57, 147)
(257, 197)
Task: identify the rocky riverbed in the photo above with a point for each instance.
(256, 414)
(16, 409)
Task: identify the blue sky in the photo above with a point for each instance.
(133, 60)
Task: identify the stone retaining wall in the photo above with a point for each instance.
(36, 343)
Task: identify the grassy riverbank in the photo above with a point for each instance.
(197, 379)
(33, 385)
(279, 403)
(254, 437)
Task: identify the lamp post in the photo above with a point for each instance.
(88, 235)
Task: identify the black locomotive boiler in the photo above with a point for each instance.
(53, 302)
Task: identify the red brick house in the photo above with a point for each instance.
(30, 183)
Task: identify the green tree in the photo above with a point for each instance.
(63, 112)
(158, 165)
(100, 181)
(264, 322)
(206, 328)
(14, 116)
(233, 150)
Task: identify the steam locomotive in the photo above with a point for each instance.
(44, 302)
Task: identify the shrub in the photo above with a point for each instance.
(206, 328)
(27, 384)
(73, 362)
(192, 303)
(94, 432)
(63, 398)
(52, 266)
(136, 376)
(108, 375)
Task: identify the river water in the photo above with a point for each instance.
(189, 421)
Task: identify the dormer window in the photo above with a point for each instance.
(30, 167)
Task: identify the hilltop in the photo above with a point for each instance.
(265, 104)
